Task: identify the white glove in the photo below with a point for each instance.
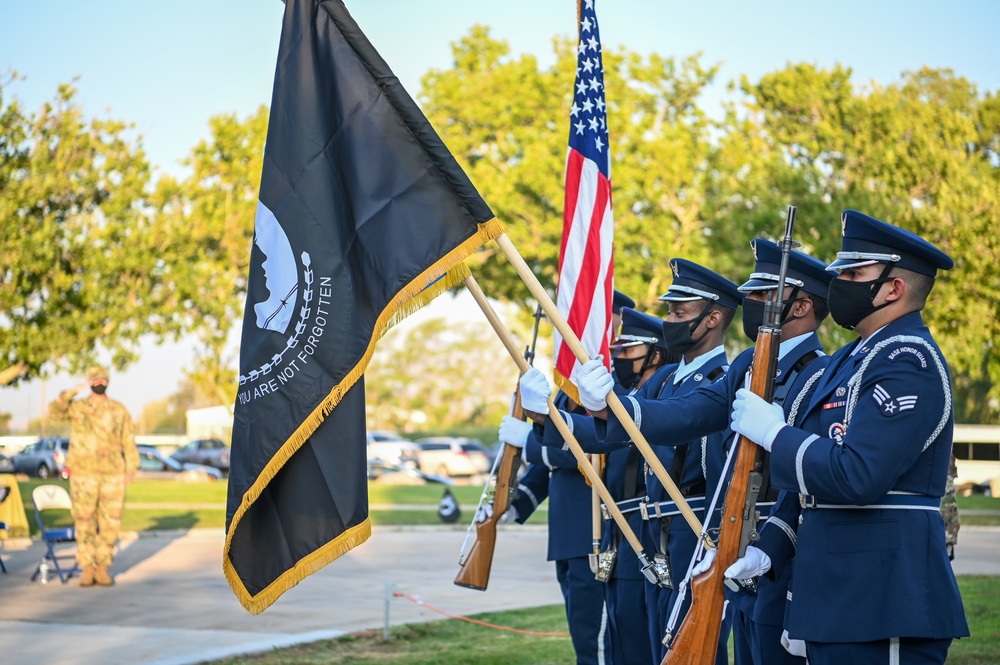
(756, 419)
(594, 382)
(794, 647)
(705, 563)
(514, 431)
(485, 512)
(535, 391)
(752, 564)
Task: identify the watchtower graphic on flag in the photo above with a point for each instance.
(586, 253)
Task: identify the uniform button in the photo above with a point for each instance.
(802, 518)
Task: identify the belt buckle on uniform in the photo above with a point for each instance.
(644, 510)
(806, 499)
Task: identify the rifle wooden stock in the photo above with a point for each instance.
(555, 419)
(614, 402)
(475, 572)
(698, 638)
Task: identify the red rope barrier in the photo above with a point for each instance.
(416, 600)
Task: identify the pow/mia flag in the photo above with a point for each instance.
(362, 212)
(448, 510)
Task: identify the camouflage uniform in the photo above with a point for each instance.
(101, 454)
(949, 509)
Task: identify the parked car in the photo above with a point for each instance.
(398, 474)
(153, 464)
(210, 452)
(45, 458)
(391, 448)
(453, 456)
(6, 465)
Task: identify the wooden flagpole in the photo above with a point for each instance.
(556, 419)
(614, 403)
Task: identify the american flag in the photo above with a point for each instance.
(585, 255)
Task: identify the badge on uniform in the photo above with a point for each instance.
(890, 405)
(837, 432)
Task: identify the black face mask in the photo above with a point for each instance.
(677, 334)
(852, 302)
(625, 372)
(98, 389)
(753, 314)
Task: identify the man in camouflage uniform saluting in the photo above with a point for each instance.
(101, 459)
(949, 510)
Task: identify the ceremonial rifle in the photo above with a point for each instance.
(474, 568)
(698, 638)
(646, 567)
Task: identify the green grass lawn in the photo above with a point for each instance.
(459, 642)
(448, 641)
(454, 642)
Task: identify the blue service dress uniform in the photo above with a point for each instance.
(553, 473)
(757, 619)
(695, 465)
(870, 460)
(624, 591)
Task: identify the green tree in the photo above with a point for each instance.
(439, 375)
(206, 222)
(80, 275)
(506, 121)
(169, 415)
(921, 153)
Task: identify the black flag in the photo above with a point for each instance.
(362, 214)
(448, 510)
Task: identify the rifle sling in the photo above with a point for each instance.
(781, 389)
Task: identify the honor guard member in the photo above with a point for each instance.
(639, 351)
(869, 457)
(618, 301)
(103, 458)
(554, 474)
(758, 617)
(702, 305)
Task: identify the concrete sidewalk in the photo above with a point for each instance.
(172, 605)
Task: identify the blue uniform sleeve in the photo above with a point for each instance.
(532, 489)
(552, 458)
(676, 420)
(895, 411)
(778, 536)
(584, 430)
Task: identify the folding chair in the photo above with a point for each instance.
(54, 497)
(3, 527)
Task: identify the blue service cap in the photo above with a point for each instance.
(804, 271)
(868, 240)
(619, 300)
(639, 328)
(694, 282)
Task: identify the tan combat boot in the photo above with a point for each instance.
(87, 575)
(101, 576)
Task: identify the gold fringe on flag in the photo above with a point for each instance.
(444, 274)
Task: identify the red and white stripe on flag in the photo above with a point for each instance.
(586, 255)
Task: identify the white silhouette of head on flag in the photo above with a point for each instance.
(280, 272)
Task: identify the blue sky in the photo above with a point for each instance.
(168, 67)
